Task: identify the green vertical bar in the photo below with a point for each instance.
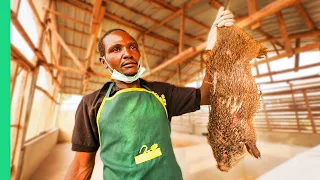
(5, 89)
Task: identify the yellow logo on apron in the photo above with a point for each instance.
(148, 154)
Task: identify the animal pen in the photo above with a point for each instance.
(55, 61)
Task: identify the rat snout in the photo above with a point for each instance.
(222, 167)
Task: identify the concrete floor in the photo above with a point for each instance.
(193, 154)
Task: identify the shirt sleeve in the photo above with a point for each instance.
(181, 100)
(85, 137)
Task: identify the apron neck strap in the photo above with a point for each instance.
(144, 86)
(109, 89)
(112, 84)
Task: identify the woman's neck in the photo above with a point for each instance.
(122, 85)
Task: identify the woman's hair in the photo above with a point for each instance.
(101, 45)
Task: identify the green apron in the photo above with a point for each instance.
(134, 134)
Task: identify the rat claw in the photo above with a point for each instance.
(239, 106)
(228, 102)
(214, 82)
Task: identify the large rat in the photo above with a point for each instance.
(234, 96)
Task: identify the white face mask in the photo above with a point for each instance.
(121, 77)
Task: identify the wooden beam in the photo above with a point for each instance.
(167, 19)
(288, 70)
(74, 30)
(271, 8)
(96, 19)
(275, 48)
(266, 11)
(163, 4)
(62, 68)
(99, 9)
(67, 17)
(178, 58)
(297, 56)
(23, 121)
(77, 79)
(292, 79)
(252, 8)
(289, 91)
(306, 18)
(286, 54)
(265, 112)
(21, 59)
(294, 106)
(16, 140)
(313, 33)
(181, 38)
(35, 12)
(68, 50)
(144, 54)
(21, 30)
(47, 94)
(116, 19)
(13, 78)
(151, 19)
(284, 33)
(15, 6)
(269, 71)
(314, 130)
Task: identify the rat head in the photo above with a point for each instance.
(234, 45)
(228, 154)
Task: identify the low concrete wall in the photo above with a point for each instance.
(301, 139)
(36, 151)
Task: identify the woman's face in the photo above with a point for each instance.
(121, 52)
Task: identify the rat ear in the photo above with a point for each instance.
(262, 52)
(253, 150)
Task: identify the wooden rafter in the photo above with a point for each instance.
(16, 6)
(67, 17)
(68, 50)
(284, 33)
(314, 129)
(294, 106)
(217, 5)
(271, 8)
(99, 9)
(252, 8)
(47, 94)
(74, 30)
(313, 33)
(38, 53)
(119, 20)
(306, 18)
(152, 20)
(181, 38)
(266, 11)
(286, 54)
(163, 4)
(297, 56)
(21, 30)
(288, 70)
(292, 79)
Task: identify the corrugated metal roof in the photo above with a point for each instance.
(202, 12)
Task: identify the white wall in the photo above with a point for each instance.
(36, 151)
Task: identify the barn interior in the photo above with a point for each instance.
(55, 62)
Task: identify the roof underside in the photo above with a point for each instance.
(136, 16)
